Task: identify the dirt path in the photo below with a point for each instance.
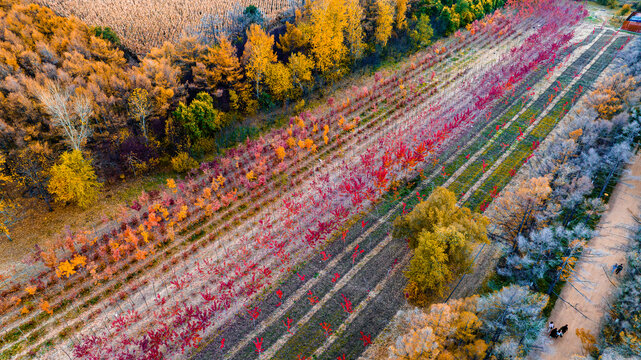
(590, 292)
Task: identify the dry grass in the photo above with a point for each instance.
(143, 24)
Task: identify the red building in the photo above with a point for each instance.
(633, 22)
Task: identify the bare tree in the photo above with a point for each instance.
(68, 111)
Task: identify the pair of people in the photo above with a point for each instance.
(555, 333)
(616, 268)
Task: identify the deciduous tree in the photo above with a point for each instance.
(422, 32)
(326, 31)
(71, 112)
(354, 29)
(258, 54)
(401, 15)
(140, 108)
(384, 21)
(73, 179)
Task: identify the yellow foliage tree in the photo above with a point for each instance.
(326, 34)
(300, 67)
(73, 179)
(442, 236)
(292, 40)
(440, 210)
(384, 21)
(354, 29)
(445, 331)
(278, 79)
(258, 54)
(610, 95)
(140, 108)
(516, 210)
(401, 14)
(8, 208)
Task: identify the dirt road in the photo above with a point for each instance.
(591, 292)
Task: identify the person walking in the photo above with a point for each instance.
(619, 268)
(554, 333)
(563, 330)
(614, 267)
(551, 326)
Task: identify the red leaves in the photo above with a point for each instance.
(356, 253)
(312, 298)
(325, 256)
(336, 276)
(259, 345)
(288, 324)
(208, 296)
(346, 304)
(366, 339)
(326, 328)
(254, 313)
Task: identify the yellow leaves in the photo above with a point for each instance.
(325, 139)
(171, 184)
(574, 135)
(259, 53)
(568, 268)
(301, 144)
(65, 269)
(299, 122)
(326, 33)
(218, 182)
(280, 153)
(182, 214)
(354, 30)
(44, 306)
(401, 11)
(341, 121)
(206, 193)
(30, 290)
(588, 341)
(74, 180)
(291, 142)
(24, 310)
(79, 261)
(250, 176)
(278, 79)
(384, 21)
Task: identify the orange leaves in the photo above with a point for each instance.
(16, 300)
(171, 184)
(44, 306)
(140, 254)
(574, 135)
(291, 142)
(24, 310)
(280, 153)
(79, 261)
(65, 269)
(30, 290)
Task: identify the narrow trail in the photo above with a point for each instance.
(591, 290)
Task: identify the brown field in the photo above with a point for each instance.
(143, 24)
